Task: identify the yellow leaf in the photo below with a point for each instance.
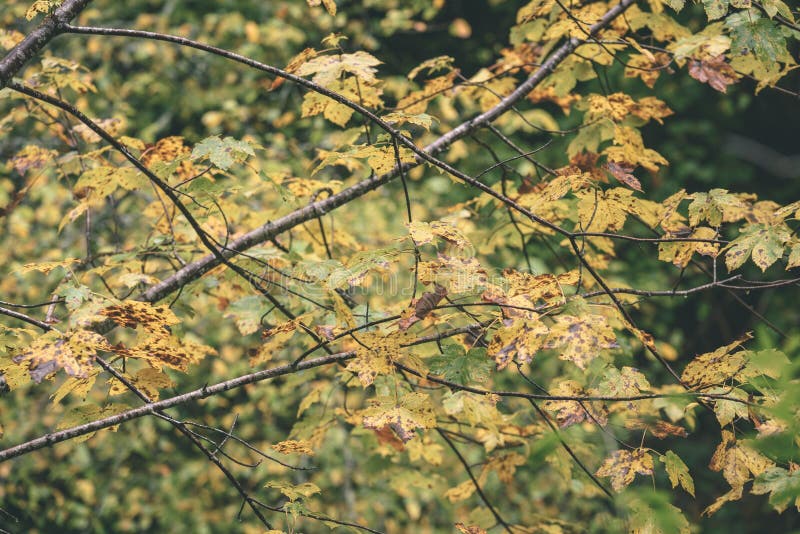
(461, 492)
(715, 367)
(133, 313)
(623, 466)
(414, 410)
(738, 463)
(680, 253)
(458, 275)
(294, 492)
(570, 412)
(74, 352)
(375, 356)
(629, 150)
(161, 350)
(517, 341)
(423, 233)
(328, 69)
(46, 267)
(580, 339)
(294, 446)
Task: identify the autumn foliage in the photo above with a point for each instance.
(280, 267)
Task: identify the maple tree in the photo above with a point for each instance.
(384, 288)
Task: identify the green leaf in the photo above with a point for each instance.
(715, 9)
(762, 37)
(75, 295)
(460, 366)
(678, 472)
(222, 153)
(783, 487)
(247, 313)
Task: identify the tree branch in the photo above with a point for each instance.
(36, 40)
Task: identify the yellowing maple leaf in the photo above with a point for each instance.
(580, 339)
(328, 69)
(623, 466)
(570, 412)
(680, 253)
(629, 150)
(717, 367)
(737, 462)
(413, 411)
(294, 446)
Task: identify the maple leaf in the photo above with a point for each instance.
(293, 446)
(148, 380)
(133, 313)
(543, 288)
(580, 338)
(161, 350)
(32, 157)
(294, 492)
(73, 352)
(713, 207)
(327, 69)
(456, 274)
(782, 485)
(629, 149)
(625, 382)
(623, 174)
(336, 112)
(569, 412)
(423, 307)
(762, 243)
(678, 472)
(413, 411)
(623, 466)
(738, 463)
(716, 367)
(519, 340)
(423, 233)
(375, 356)
(222, 153)
(680, 253)
(605, 210)
(716, 72)
(461, 366)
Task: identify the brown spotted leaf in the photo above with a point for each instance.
(737, 462)
(161, 350)
(623, 466)
(570, 412)
(413, 411)
(133, 313)
(580, 339)
(715, 367)
(73, 352)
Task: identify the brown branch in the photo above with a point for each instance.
(149, 409)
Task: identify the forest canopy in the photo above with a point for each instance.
(385, 266)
